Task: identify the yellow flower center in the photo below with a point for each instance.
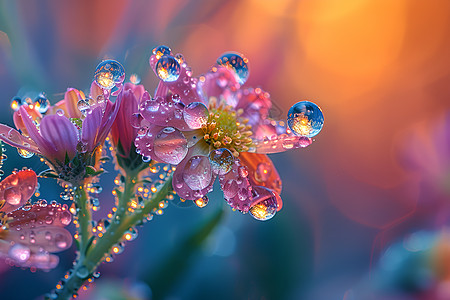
(226, 129)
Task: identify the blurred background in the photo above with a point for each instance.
(366, 206)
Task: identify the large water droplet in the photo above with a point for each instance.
(265, 208)
(65, 217)
(24, 153)
(237, 63)
(16, 102)
(41, 103)
(19, 252)
(305, 118)
(195, 115)
(109, 73)
(221, 161)
(197, 172)
(202, 202)
(168, 68)
(170, 145)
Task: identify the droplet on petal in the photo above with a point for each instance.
(170, 145)
(195, 115)
(24, 153)
(168, 68)
(135, 79)
(16, 103)
(84, 107)
(41, 103)
(197, 172)
(109, 73)
(265, 204)
(161, 51)
(202, 202)
(13, 195)
(305, 119)
(237, 63)
(221, 161)
(19, 253)
(304, 141)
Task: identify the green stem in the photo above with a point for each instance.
(84, 217)
(121, 222)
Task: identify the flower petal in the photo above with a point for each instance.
(16, 189)
(62, 134)
(49, 238)
(255, 104)
(261, 171)
(71, 98)
(219, 83)
(14, 138)
(121, 128)
(51, 214)
(236, 187)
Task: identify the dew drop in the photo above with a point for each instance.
(60, 112)
(65, 217)
(109, 73)
(267, 207)
(24, 153)
(16, 103)
(195, 115)
(305, 119)
(237, 63)
(41, 103)
(170, 145)
(161, 50)
(135, 79)
(304, 141)
(84, 107)
(197, 172)
(168, 68)
(202, 202)
(60, 241)
(221, 161)
(262, 172)
(12, 195)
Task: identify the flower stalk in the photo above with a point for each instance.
(91, 256)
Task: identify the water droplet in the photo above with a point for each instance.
(197, 172)
(266, 208)
(304, 141)
(236, 63)
(135, 79)
(202, 202)
(65, 217)
(221, 161)
(195, 115)
(48, 220)
(84, 107)
(60, 112)
(41, 103)
(161, 51)
(19, 252)
(48, 235)
(243, 172)
(24, 153)
(109, 73)
(305, 118)
(16, 103)
(12, 195)
(96, 188)
(170, 145)
(65, 195)
(82, 272)
(180, 58)
(168, 68)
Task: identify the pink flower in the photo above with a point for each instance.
(30, 234)
(56, 138)
(122, 129)
(208, 127)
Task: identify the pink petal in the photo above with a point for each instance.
(71, 98)
(107, 121)
(219, 83)
(14, 138)
(62, 134)
(90, 128)
(47, 148)
(51, 214)
(145, 141)
(121, 128)
(164, 112)
(49, 238)
(16, 189)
